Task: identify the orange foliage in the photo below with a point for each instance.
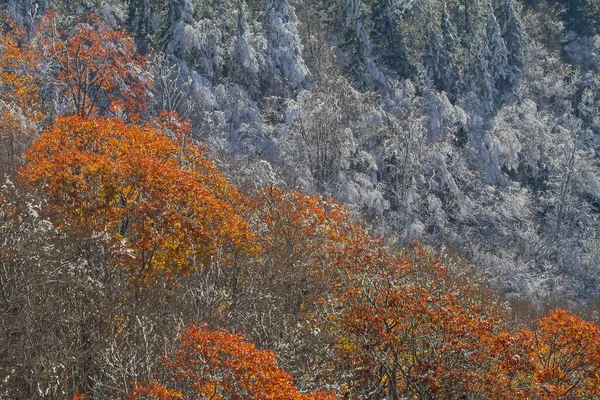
(221, 365)
(153, 391)
(402, 327)
(415, 331)
(98, 67)
(164, 209)
(558, 359)
(301, 232)
(294, 230)
(19, 104)
(566, 355)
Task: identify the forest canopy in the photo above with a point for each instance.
(297, 199)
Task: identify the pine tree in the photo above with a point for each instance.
(441, 49)
(450, 69)
(513, 34)
(139, 15)
(387, 36)
(583, 16)
(244, 59)
(357, 46)
(498, 64)
(284, 65)
(433, 49)
(179, 14)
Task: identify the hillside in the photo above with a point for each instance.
(321, 199)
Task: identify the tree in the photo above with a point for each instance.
(403, 326)
(195, 36)
(513, 34)
(157, 202)
(246, 56)
(284, 68)
(387, 37)
(567, 357)
(357, 45)
(98, 69)
(326, 141)
(558, 358)
(499, 56)
(583, 16)
(295, 233)
(19, 96)
(219, 364)
(139, 15)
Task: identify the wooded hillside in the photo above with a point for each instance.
(354, 199)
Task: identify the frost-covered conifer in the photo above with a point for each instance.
(198, 42)
(387, 35)
(284, 67)
(139, 16)
(513, 34)
(450, 69)
(498, 64)
(358, 48)
(246, 58)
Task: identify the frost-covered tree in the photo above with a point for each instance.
(498, 63)
(194, 38)
(284, 68)
(25, 12)
(139, 21)
(583, 16)
(433, 49)
(327, 140)
(513, 34)
(246, 55)
(179, 15)
(387, 37)
(449, 68)
(358, 50)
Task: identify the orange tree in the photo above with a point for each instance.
(565, 353)
(273, 292)
(19, 105)
(98, 68)
(558, 359)
(402, 327)
(221, 365)
(162, 208)
(308, 246)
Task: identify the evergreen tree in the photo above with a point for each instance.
(194, 38)
(139, 16)
(433, 49)
(498, 64)
(179, 14)
(583, 16)
(441, 53)
(284, 66)
(451, 71)
(387, 36)
(513, 34)
(244, 60)
(357, 46)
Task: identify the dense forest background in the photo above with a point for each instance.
(468, 124)
(185, 161)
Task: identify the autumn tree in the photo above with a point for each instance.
(402, 326)
(160, 205)
(19, 104)
(98, 71)
(566, 354)
(221, 365)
